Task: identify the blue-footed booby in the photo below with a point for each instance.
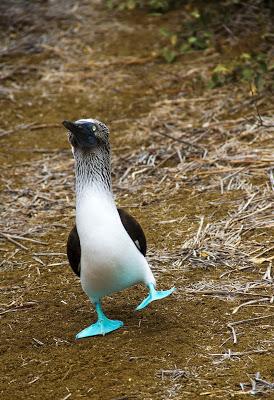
(107, 247)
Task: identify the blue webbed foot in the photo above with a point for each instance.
(103, 326)
(154, 295)
(100, 328)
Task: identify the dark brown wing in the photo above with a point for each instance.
(130, 224)
(74, 250)
(134, 230)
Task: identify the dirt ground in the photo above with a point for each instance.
(193, 164)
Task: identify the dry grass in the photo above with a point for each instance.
(197, 169)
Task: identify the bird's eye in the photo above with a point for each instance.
(93, 128)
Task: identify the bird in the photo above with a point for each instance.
(107, 246)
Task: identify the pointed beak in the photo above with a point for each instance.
(70, 126)
(84, 136)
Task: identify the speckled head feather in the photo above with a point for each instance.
(89, 139)
(87, 134)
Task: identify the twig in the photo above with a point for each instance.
(199, 230)
(13, 241)
(242, 353)
(244, 321)
(179, 140)
(57, 264)
(66, 397)
(38, 342)
(223, 293)
(34, 380)
(267, 275)
(262, 252)
(49, 254)
(233, 333)
(38, 260)
(8, 258)
(236, 309)
(24, 238)
(231, 325)
(22, 307)
(258, 385)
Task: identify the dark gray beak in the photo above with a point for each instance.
(82, 133)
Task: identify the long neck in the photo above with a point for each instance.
(92, 172)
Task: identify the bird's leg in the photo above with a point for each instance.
(103, 325)
(154, 295)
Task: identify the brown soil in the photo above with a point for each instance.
(207, 216)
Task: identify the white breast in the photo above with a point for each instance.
(110, 260)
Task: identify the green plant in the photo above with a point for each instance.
(254, 69)
(197, 41)
(195, 36)
(169, 55)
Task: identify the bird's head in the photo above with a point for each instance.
(87, 135)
